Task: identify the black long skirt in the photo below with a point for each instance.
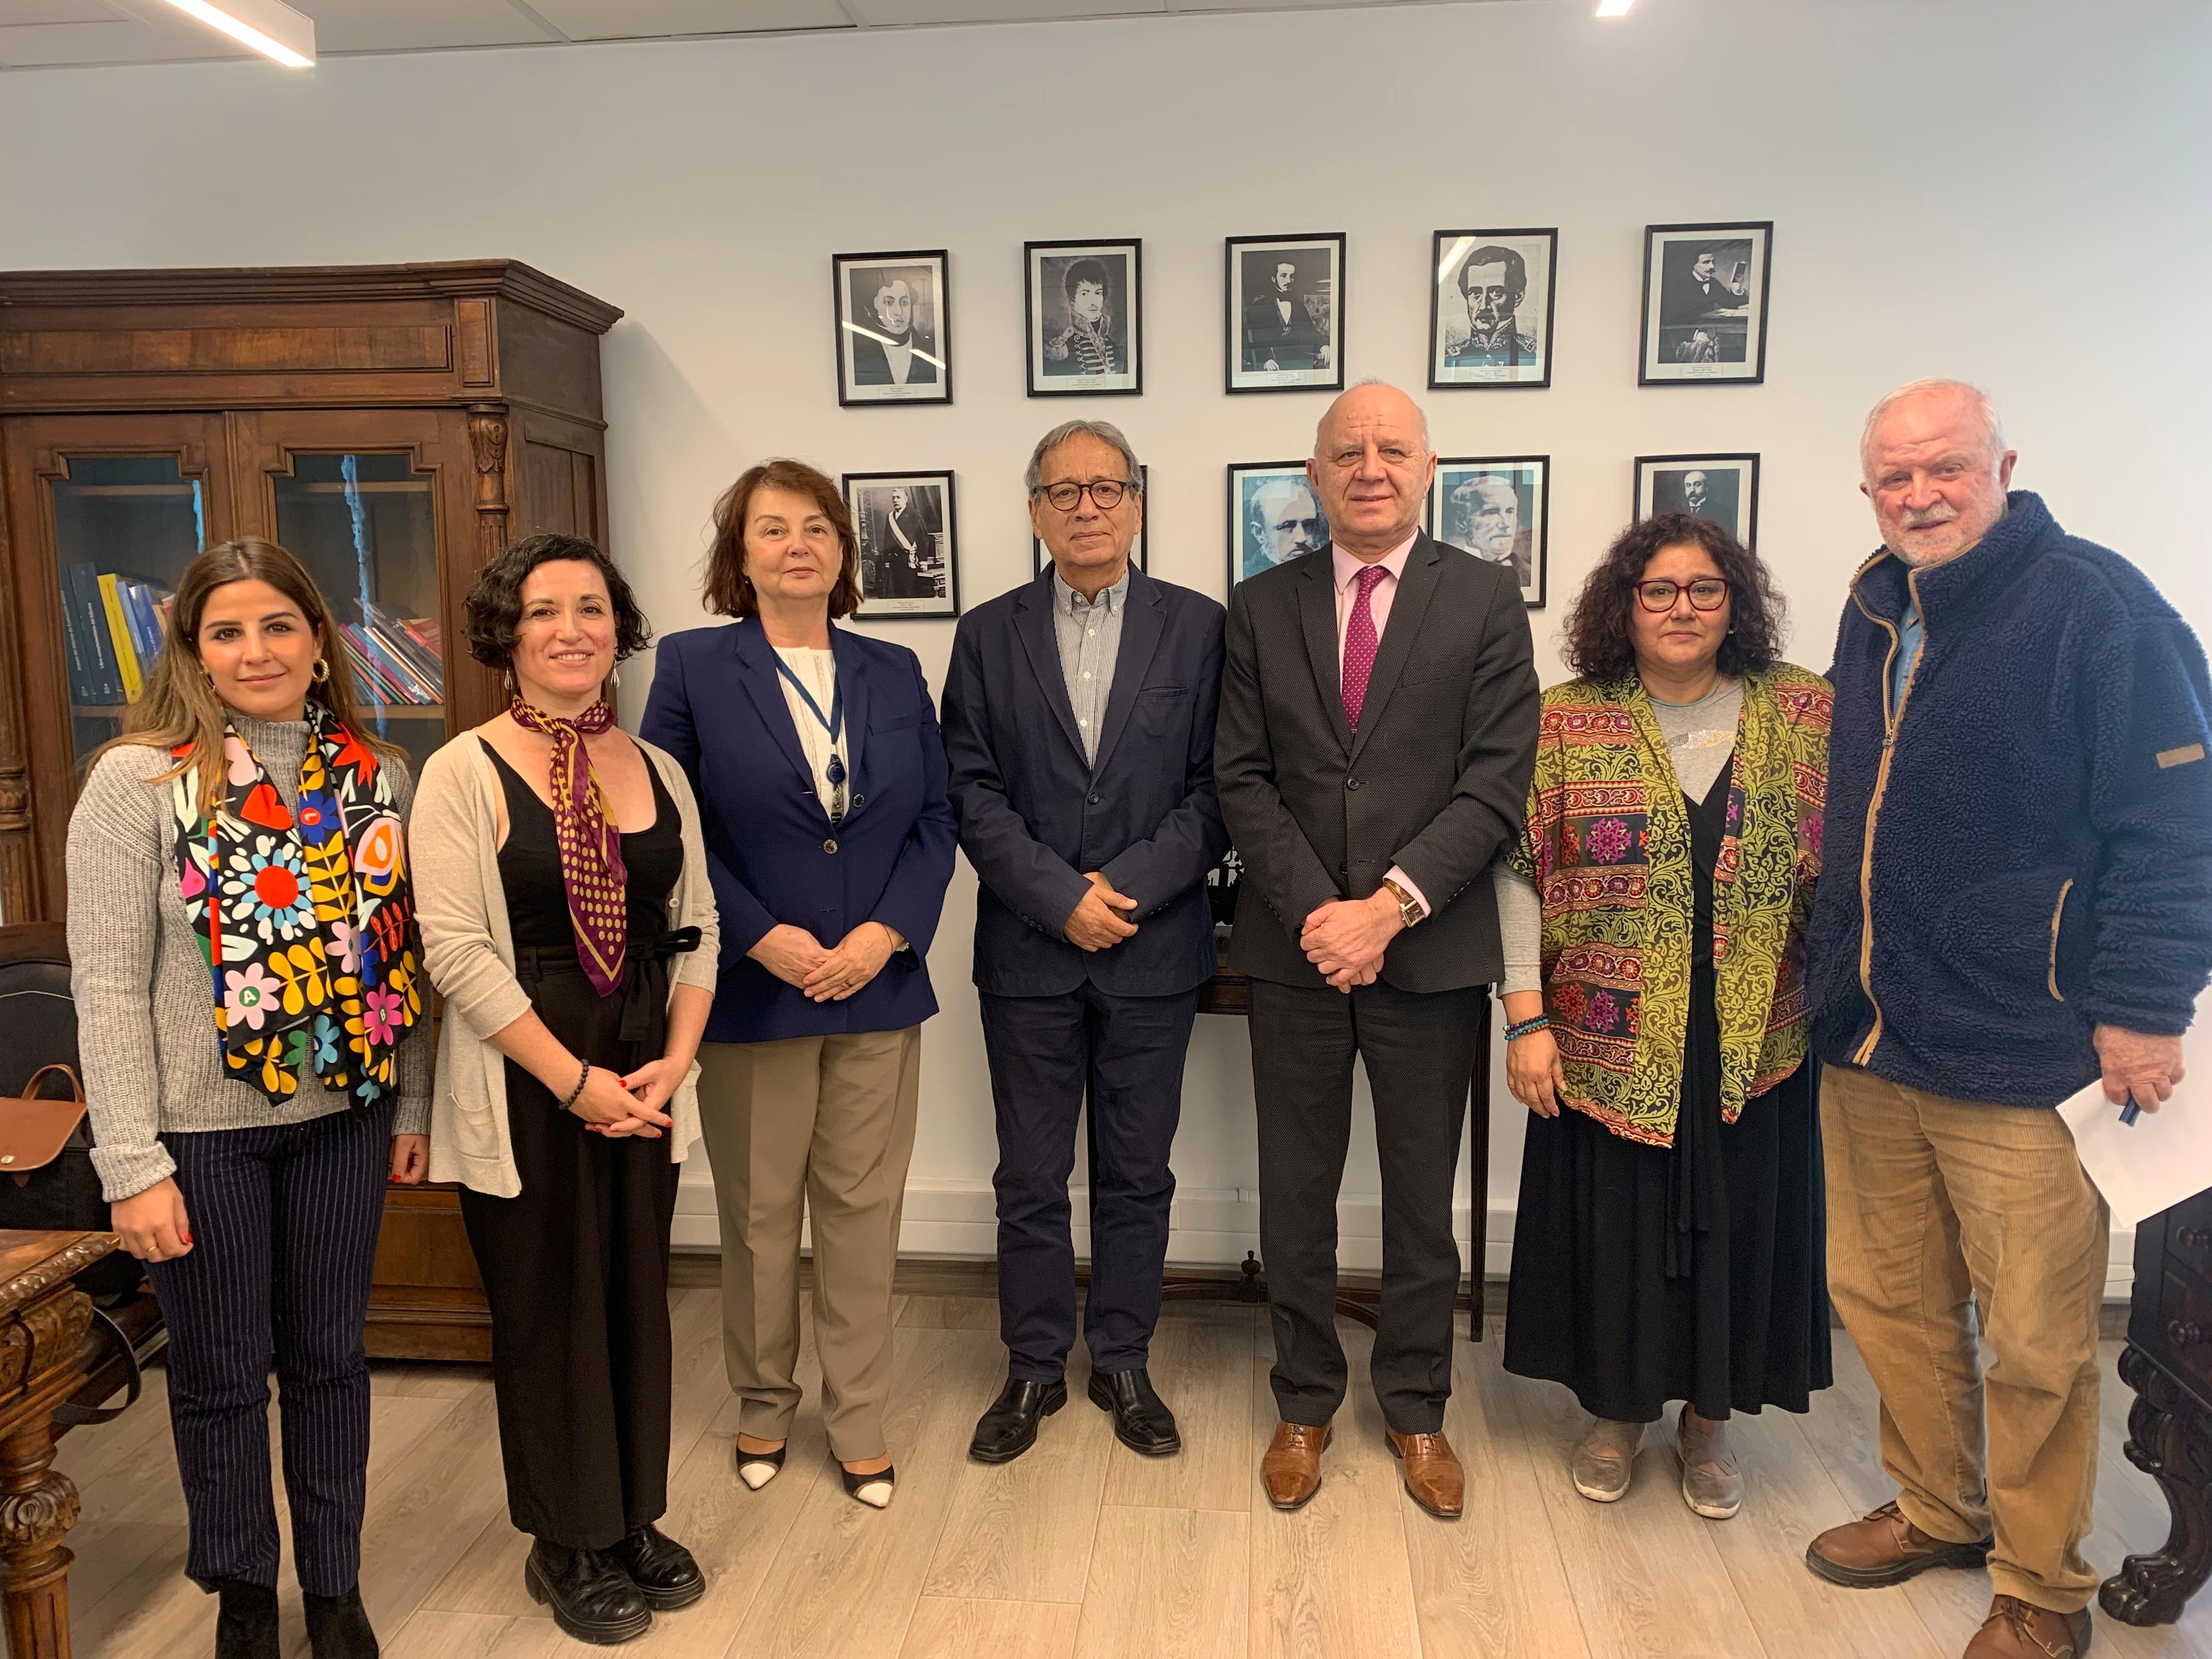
(1643, 1274)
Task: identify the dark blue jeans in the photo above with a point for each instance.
(283, 1223)
(1046, 1053)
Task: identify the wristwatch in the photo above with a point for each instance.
(1409, 908)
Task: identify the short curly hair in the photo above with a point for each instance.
(493, 609)
(1598, 644)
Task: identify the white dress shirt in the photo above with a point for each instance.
(817, 673)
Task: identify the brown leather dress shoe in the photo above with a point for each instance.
(2020, 1629)
(1886, 1548)
(1433, 1475)
(1290, 1467)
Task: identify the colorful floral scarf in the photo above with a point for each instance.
(307, 919)
(592, 872)
(1607, 843)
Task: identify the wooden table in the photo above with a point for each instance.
(45, 1321)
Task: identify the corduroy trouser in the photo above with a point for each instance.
(284, 1222)
(1944, 1214)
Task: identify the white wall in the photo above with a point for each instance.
(1989, 188)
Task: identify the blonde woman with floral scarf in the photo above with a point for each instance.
(1670, 1240)
(242, 930)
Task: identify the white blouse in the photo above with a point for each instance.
(817, 673)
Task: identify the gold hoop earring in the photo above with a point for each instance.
(322, 671)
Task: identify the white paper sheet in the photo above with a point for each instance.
(2164, 1156)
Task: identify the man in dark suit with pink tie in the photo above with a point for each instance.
(1376, 733)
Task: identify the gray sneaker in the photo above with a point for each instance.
(1606, 1459)
(1712, 1484)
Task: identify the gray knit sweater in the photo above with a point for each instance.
(145, 1008)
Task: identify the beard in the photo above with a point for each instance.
(1920, 558)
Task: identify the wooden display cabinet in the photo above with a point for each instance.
(394, 426)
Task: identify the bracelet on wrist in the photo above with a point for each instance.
(1527, 1027)
(576, 1093)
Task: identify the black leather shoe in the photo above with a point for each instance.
(1010, 1427)
(338, 1626)
(593, 1599)
(1142, 1421)
(246, 1626)
(662, 1569)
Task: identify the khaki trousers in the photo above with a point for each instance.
(1937, 1207)
(819, 1129)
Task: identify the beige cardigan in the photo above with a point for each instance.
(469, 952)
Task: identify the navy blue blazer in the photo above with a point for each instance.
(1034, 815)
(772, 853)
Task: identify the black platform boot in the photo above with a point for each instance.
(246, 1626)
(338, 1626)
(593, 1599)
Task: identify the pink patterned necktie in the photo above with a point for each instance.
(1360, 640)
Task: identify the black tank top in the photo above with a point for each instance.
(529, 863)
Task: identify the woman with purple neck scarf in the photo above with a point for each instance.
(567, 919)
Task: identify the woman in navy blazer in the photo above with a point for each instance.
(820, 778)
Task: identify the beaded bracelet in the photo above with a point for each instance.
(1541, 1023)
(575, 1094)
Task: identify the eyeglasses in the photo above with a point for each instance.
(1105, 493)
(1708, 594)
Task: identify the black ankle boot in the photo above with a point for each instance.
(593, 1599)
(338, 1626)
(246, 1626)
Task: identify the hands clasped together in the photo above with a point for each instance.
(797, 957)
(1345, 939)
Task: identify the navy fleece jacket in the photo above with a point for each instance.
(2036, 857)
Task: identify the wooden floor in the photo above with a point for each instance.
(1082, 1548)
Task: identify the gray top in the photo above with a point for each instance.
(1700, 737)
(1090, 633)
(144, 1004)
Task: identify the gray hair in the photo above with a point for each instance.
(1992, 424)
(1105, 431)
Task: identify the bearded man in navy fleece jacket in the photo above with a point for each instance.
(2017, 902)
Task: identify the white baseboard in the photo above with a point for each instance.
(1209, 1227)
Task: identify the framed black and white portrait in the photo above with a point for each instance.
(894, 340)
(1490, 313)
(1082, 317)
(1705, 304)
(1274, 517)
(1039, 558)
(1285, 313)
(1721, 488)
(909, 562)
(1497, 507)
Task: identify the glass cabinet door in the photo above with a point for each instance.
(356, 499)
(124, 520)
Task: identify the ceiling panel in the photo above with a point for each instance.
(888, 13)
(14, 14)
(636, 19)
(417, 25)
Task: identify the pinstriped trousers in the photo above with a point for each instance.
(284, 1221)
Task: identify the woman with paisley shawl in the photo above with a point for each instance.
(1670, 1240)
(244, 950)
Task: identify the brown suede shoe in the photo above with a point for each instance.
(1886, 1548)
(1433, 1475)
(1291, 1469)
(2020, 1629)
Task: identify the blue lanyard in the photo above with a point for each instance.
(835, 772)
(834, 722)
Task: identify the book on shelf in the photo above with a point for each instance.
(393, 667)
(370, 686)
(118, 634)
(146, 625)
(394, 635)
(94, 680)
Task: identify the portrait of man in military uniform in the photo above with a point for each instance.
(1489, 317)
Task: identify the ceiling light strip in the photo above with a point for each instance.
(271, 28)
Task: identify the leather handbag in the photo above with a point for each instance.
(34, 1129)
